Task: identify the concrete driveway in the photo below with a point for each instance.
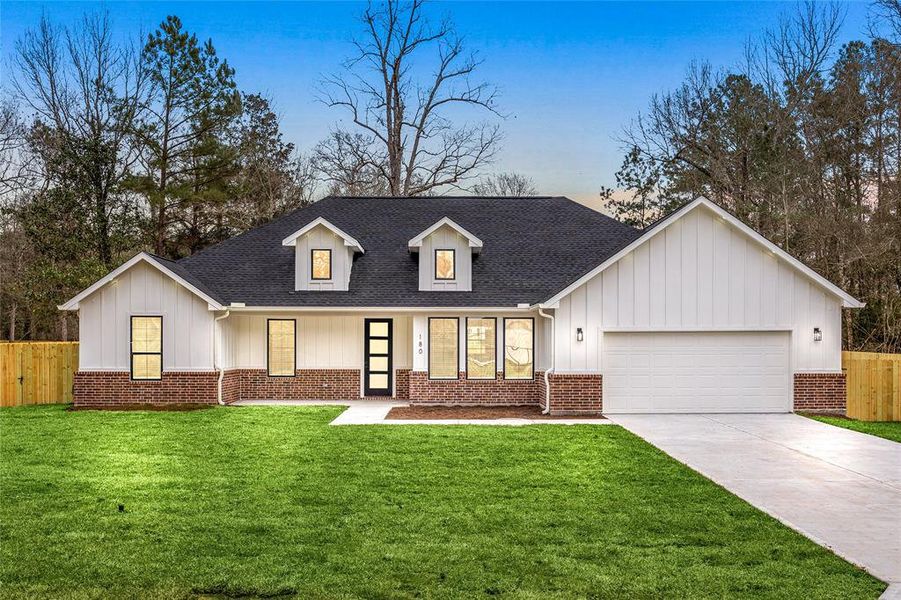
(840, 488)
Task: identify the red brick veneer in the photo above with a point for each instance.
(106, 388)
(820, 392)
(576, 393)
(308, 384)
(498, 391)
(402, 384)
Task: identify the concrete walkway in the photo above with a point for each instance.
(373, 412)
(840, 488)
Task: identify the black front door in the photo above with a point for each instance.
(377, 365)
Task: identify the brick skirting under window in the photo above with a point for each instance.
(308, 384)
(820, 392)
(500, 391)
(111, 388)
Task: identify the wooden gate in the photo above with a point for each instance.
(874, 385)
(37, 372)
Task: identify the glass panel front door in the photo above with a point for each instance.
(377, 371)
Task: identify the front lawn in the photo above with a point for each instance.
(271, 501)
(890, 430)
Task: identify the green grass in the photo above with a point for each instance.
(271, 501)
(890, 430)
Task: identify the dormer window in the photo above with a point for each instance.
(323, 256)
(321, 264)
(446, 252)
(445, 264)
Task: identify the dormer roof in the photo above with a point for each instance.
(349, 241)
(416, 243)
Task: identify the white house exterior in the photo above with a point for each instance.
(472, 301)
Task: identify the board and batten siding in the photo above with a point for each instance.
(445, 238)
(320, 238)
(104, 322)
(323, 341)
(700, 273)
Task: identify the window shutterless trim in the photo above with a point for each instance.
(456, 341)
(453, 264)
(466, 348)
(132, 353)
(293, 353)
(312, 252)
(504, 354)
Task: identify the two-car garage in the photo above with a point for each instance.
(692, 372)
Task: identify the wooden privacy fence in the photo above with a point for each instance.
(37, 372)
(874, 385)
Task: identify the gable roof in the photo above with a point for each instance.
(661, 224)
(534, 247)
(167, 267)
(416, 243)
(350, 242)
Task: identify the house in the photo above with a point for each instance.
(471, 301)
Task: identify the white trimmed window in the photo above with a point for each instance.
(146, 348)
(444, 347)
(519, 345)
(481, 354)
(445, 264)
(281, 347)
(321, 264)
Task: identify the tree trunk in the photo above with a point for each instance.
(12, 323)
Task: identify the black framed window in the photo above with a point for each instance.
(445, 264)
(281, 347)
(481, 348)
(444, 347)
(146, 348)
(519, 348)
(321, 264)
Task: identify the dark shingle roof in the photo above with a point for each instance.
(534, 247)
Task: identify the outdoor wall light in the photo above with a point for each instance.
(579, 336)
(817, 334)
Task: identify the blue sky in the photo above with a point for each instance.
(572, 75)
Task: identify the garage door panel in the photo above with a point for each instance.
(697, 372)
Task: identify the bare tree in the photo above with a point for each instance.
(85, 91)
(349, 166)
(505, 184)
(410, 141)
(15, 173)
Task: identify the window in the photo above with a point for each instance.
(481, 356)
(147, 348)
(321, 264)
(443, 348)
(281, 346)
(445, 264)
(519, 343)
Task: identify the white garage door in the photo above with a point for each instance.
(697, 372)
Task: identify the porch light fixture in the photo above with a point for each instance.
(817, 334)
(579, 336)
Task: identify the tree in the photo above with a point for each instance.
(505, 184)
(408, 139)
(271, 180)
(86, 93)
(194, 102)
(349, 165)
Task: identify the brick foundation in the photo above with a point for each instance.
(500, 391)
(309, 384)
(820, 392)
(576, 394)
(111, 388)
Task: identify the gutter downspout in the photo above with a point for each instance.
(547, 372)
(216, 364)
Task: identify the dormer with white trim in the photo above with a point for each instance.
(445, 257)
(324, 256)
